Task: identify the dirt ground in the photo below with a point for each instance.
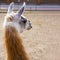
(42, 42)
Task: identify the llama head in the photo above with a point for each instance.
(17, 19)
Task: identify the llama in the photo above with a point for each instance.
(14, 24)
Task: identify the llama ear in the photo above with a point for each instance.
(20, 11)
(10, 7)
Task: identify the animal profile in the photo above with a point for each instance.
(14, 25)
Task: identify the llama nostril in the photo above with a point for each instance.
(31, 26)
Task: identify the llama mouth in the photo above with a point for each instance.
(29, 28)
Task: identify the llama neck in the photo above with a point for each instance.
(13, 44)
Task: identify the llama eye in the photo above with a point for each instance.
(24, 21)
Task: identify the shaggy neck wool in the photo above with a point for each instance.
(13, 44)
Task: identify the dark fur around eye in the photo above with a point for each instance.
(24, 21)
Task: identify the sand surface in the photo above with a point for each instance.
(42, 42)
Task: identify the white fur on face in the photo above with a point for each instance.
(17, 20)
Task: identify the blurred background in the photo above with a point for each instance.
(33, 2)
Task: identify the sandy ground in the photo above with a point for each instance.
(42, 42)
